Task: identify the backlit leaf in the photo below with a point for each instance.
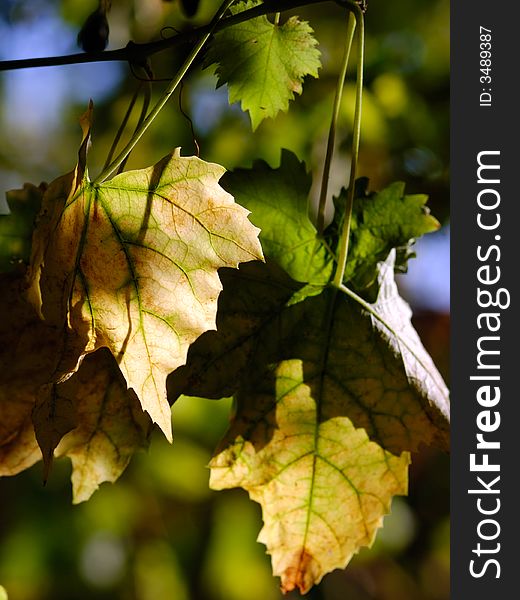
(107, 422)
(111, 425)
(323, 486)
(386, 381)
(131, 264)
(337, 393)
(278, 200)
(262, 63)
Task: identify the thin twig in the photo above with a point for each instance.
(147, 96)
(122, 127)
(188, 118)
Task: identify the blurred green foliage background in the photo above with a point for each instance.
(160, 533)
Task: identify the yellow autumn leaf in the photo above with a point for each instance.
(131, 264)
(111, 425)
(324, 487)
(104, 418)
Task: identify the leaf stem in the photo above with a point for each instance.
(147, 94)
(138, 134)
(123, 125)
(345, 231)
(351, 26)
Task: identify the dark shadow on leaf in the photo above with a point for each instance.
(155, 179)
(253, 298)
(348, 366)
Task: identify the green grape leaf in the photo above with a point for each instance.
(16, 228)
(262, 63)
(131, 265)
(278, 201)
(380, 222)
(110, 424)
(289, 448)
(390, 377)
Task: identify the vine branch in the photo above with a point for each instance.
(137, 54)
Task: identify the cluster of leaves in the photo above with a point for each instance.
(332, 392)
(125, 283)
(129, 265)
